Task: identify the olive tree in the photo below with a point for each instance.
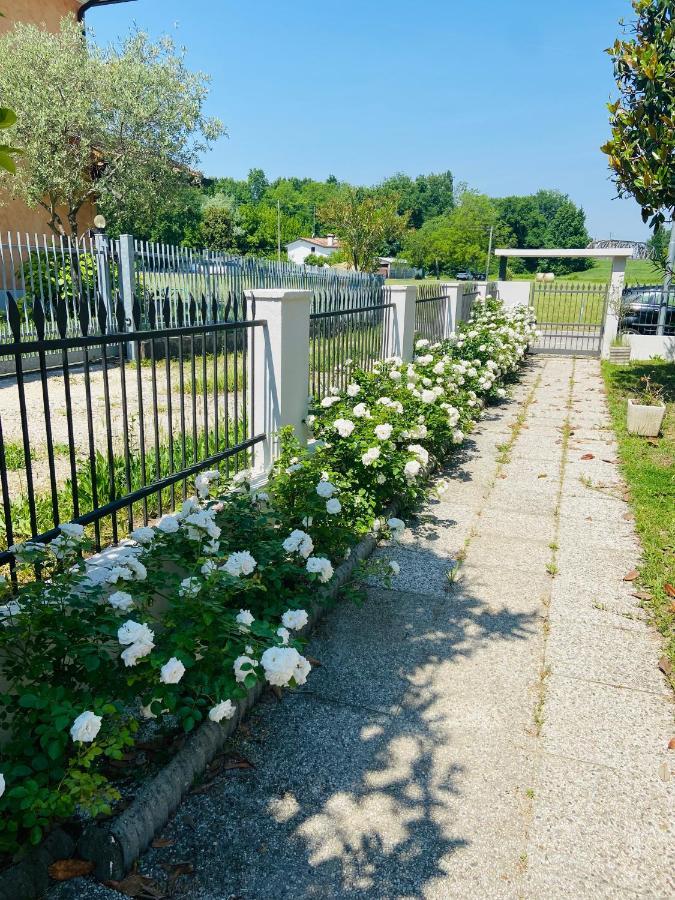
(116, 126)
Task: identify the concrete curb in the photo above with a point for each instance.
(114, 846)
(29, 878)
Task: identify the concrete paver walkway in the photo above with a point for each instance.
(500, 736)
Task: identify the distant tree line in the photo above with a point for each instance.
(429, 220)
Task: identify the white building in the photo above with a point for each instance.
(299, 249)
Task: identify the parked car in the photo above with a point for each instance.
(465, 276)
(640, 311)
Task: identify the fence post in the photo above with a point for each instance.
(451, 309)
(127, 281)
(279, 354)
(400, 332)
(102, 248)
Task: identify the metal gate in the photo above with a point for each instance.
(570, 317)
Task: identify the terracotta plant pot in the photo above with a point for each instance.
(644, 420)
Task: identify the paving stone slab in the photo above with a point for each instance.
(601, 827)
(624, 729)
(603, 653)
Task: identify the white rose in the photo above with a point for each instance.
(143, 535)
(85, 727)
(2, 784)
(325, 489)
(134, 632)
(333, 506)
(294, 619)
(223, 710)
(369, 457)
(121, 600)
(412, 469)
(72, 530)
(240, 672)
(168, 524)
(353, 389)
(344, 427)
(394, 566)
(136, 651)
(319, 565)
(244, 619)
(239, 563)
(361, 411)
(383, 432)
(327, 402)
(172, 671)
(284, 634)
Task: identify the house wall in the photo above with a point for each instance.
(298, 253)
(39, 12)
(15, 216)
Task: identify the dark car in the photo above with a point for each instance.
(640, 311)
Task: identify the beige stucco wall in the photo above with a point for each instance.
(40, 12)
(14, 214)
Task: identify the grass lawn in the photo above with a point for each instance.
(648, 465)
(638, 271)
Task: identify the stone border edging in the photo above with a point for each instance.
(114, 847)
(29, 877)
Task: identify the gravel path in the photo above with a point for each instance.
(500, 737)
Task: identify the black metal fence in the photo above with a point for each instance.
(349, 327)
(431, 311)
(107, 442)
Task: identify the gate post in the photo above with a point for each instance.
(613, 307)
(127, 281)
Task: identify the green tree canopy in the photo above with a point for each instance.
(364, 225)
(459, 239)
(119, 126)
(641, 149)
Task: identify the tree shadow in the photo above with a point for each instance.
(357, 784)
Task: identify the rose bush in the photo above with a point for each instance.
(187, 615)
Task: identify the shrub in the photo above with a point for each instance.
(179, 622)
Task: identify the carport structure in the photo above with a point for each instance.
(574, 318)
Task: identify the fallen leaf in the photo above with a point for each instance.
(665, 665)
(653, 441)
(64, 869)
(628, 516)
(237, 762)
(669, 589)
(671, 744)
(642, 595)
(502, 475)
(162, 842)
(139, 886)
(588, 456)
(315, 663)
(672, 608)
(542, 475)
(631, 576)
(664, 771)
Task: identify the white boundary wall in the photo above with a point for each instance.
(646, 346)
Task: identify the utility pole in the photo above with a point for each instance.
(278, 231)
(663, 308)
(314, 220)
(487, 267)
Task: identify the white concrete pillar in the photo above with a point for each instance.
(613, 303)
(279, 354)
(399, 336)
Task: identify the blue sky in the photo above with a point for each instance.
(510, 96)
